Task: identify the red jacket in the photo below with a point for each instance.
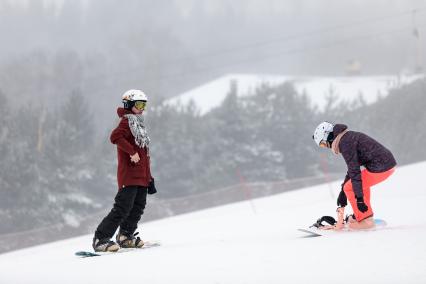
(129, 173)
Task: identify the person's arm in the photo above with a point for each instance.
(346, 179)
(118, 137)
(340, 220)
(354, 172)
(354, 169)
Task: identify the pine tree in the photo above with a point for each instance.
(68, 157)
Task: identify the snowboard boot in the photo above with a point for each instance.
(129, 240)
(104, 245)
(366, 224)
(350, 218)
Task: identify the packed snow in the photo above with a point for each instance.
(347, 88)
(254, 242)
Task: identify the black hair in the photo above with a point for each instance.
(128, 104)
(330, 137)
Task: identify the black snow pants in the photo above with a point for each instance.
(128, 208)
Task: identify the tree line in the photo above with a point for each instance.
(54, 169)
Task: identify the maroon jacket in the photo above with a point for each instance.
(129, 173)
(359, 149)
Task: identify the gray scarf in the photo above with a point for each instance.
(137, 127)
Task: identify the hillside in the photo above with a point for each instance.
(254, 242)
(346, 88)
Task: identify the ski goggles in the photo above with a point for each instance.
(140, 105)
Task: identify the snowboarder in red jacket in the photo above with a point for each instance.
(358, 150)
(133, 177)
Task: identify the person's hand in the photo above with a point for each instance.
(151, 187)
(361, 205)
(340, 222)
(342, 201)
(135, 158)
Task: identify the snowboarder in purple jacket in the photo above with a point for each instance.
(368, 162)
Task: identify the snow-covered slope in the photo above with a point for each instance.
(211, 95)
(254, 243)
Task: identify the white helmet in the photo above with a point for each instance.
(134, 95)
(322, 131)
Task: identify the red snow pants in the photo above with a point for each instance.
(368, 180)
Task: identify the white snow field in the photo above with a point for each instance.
(255, 242)
(346, 88)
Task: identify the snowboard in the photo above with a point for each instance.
(147, 245)
(313, 232)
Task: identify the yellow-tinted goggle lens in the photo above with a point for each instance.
(140, 105)
(323, 144)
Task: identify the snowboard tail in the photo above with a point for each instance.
(86, 254)
(310, 233)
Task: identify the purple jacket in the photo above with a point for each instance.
(359, 149)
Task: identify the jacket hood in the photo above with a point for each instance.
(122, 111)
(339, 128)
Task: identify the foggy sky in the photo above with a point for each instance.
(168, 47)
(257, 28)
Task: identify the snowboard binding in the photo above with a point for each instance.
(327, 219)
(129, 240)
(328, 222)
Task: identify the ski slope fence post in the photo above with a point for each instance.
(247, 191)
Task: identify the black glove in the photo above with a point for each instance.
(151, 187)
(342, 201)
(361, 205)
